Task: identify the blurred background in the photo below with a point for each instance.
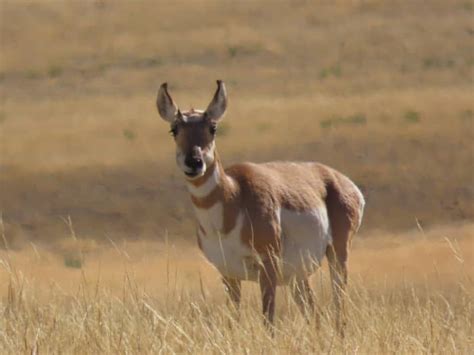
(380, 90)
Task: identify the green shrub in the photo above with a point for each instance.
(412, 116)
(129, 134)
(73, 262)
(334, 70)
(355, 119)
(55, 71)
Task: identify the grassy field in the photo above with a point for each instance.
(381, 90)
(409, 293)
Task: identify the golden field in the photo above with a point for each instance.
(409, 293)
(97, 251)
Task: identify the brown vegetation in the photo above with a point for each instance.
(409, 293)
(381, 90)
(81, 136)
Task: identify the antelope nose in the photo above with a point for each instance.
(194, 163)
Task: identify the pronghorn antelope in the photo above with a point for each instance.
(272, 222)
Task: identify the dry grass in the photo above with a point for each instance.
(381, 90)
(409, 293)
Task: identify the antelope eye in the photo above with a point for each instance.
(174, 131)
(213, 129)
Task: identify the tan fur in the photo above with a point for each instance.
(261, 189)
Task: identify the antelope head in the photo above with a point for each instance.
(194, 130)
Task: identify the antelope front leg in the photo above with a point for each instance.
(268, 283)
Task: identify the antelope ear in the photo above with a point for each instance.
(218, 105)
(167, 109)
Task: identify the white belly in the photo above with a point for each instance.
(305, 237)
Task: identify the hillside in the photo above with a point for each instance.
(379, 90)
